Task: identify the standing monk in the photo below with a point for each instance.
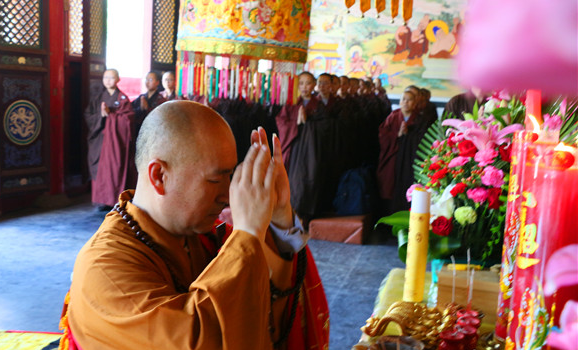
(399, 136)
(169, 92)
(291, 116)
(110, 120)
(148, 101)
(159, 273)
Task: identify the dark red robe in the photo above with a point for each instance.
(396, 157)
(116, 168)
(288, 128)
(460, 104)
(140, 114)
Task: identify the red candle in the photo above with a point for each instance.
(533, 107)
(470, 336)
(548, 215)
(452, 340)
(467, 321)
(520, 143)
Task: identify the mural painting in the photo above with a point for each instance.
(420, 52)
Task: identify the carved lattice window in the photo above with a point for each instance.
(20, 23)
(163, 31)
(97, 27)
(75, 27)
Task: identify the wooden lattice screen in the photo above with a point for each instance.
(163, 36)
(75, 27)
(20, 23)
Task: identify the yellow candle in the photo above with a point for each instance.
(417, 246)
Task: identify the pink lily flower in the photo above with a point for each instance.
(490, 137)
(562, 269)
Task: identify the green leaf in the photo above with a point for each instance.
(421, 155)
(429, 138)
(425, 149)
(500, 111)
(501, 120)
(402, 239)
(401, 218)
(442, 247)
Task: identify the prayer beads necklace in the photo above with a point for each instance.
(148, 241)
(276, 293)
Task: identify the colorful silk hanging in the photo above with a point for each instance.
(264, 29)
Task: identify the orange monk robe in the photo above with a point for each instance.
(123, 296)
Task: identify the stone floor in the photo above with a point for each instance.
(38, 248)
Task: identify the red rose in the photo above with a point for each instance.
(437, 165)
(505, 152)
(442, 226)
(467, 148)
(440, 174)
(459, 188)
(494, 201)
(451, 139)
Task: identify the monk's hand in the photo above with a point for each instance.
(402, 129)
(143, 103)
(282, 212)
(252, 195)
(301, 115)
(104, 110)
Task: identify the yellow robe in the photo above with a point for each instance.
(122, 294)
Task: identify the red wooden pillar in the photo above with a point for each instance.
(56, 44)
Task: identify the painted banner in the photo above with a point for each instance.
(418, 52)
(261, 29)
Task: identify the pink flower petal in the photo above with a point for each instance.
(568, 338)
(506, 40)
(562, 269)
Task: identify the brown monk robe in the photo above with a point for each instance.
(464, 103)
(399, 136)
(110, 122)
(147, 280)
(291, 116)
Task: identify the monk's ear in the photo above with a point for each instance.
(156, 173)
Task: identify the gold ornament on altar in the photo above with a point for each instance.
(415, 320)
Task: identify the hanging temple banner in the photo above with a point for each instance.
(261, 29)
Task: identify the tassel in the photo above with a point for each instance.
(379, 6)
(394, 9)
(349, 3)
(407, 10)
(364, 6)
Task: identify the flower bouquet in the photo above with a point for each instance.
(465, 165)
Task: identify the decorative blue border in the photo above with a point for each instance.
(14, 132)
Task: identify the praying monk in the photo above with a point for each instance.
(110, 122)
(292, 116)
(158, 274)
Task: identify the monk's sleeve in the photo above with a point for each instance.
(94, 120)
(388, 147)
(123, 117)
(233, 294)
(123, 297)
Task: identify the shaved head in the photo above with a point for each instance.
(178, 131)
(185, 156)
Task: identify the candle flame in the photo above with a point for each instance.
(535, 123)
(564, 148)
